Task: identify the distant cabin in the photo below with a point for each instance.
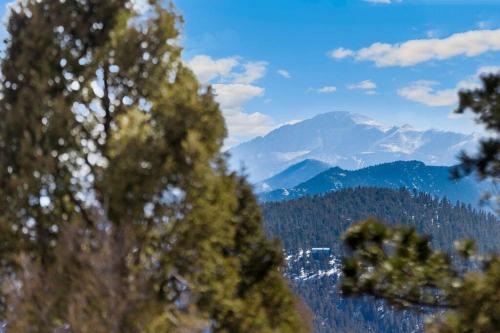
(319, 253)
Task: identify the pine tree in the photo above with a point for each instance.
(484, 103)
(399, 265)
(117, 212)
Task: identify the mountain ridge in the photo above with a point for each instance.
(293, 175)
(348, 140)
(413, 175)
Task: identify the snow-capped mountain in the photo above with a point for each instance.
(348, 140)
(293, 175)
(412, 175)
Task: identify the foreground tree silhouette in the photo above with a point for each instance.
(117, 213)
(400, 266)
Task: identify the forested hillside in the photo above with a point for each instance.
(319, 221)
(413, 175)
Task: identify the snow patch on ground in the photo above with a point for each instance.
(301, 265)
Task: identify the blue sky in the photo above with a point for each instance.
(278, 61)
(298, 36)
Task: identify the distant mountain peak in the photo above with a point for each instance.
(348, 140)
(346, 116)
(307, 161)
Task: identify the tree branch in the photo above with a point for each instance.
(106, 102)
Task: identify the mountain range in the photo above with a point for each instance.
(412, 175)
(349, 141)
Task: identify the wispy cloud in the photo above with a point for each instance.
(284, 73)
(425, 92)
(412, 52)
(227, 69)
(207, 69)
(341, 53)
(326, 90)
(234, 95)
(244, 126)
(252, 72)
(368, 85)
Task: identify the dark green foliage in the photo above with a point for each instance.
(396, 262)
(117, 212)
(484, 102)
(320, 221)
(399, 265)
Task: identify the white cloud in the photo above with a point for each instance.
(470, 43)
(341, 53)
(327, 90)
(244, 126)
(252, 72)
(424, 92)
(241, 125)
(233, 84)
(473, 82)
(228, 69)
(207, 69)
(363, 85)
(284, 73)
(234, 95)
